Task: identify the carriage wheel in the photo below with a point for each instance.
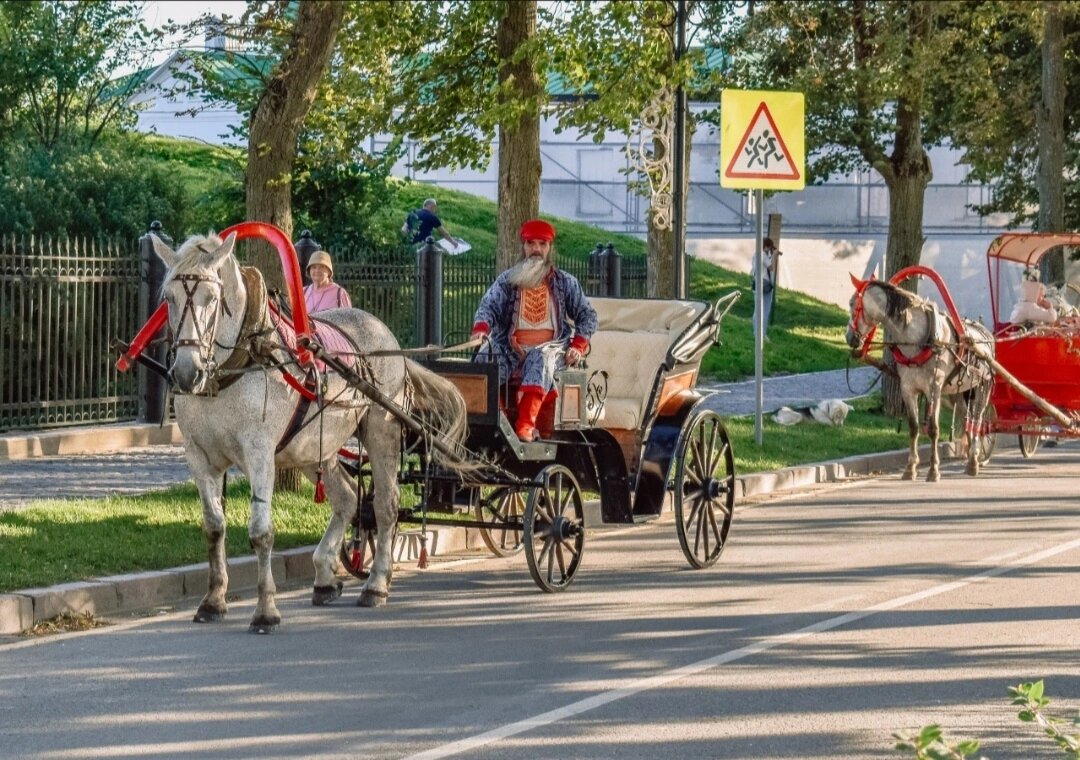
(358, 544)
(357, 549)
(1029, 444)
(501, 505)
(554, 528)
(704, 489)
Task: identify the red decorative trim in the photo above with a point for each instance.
(580, 342)
(915, 361)
(950, 307)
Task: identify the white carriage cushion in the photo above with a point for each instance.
(630, 344)
(647, 315)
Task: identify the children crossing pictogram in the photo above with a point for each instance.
(762, 145)
(762, 153)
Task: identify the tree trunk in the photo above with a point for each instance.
(519, 141)
(907, 193)
(907, 174)
(276, 122)
(1050, 120)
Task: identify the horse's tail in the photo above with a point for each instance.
(442, 407)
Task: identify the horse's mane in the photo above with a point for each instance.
(897, 300)
(197, 253)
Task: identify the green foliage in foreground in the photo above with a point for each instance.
(930, 743)
(59, 541)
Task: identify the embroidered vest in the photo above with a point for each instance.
(534, 320)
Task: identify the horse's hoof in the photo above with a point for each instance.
(933, 477)
(209, 614)
(323, 595)
(264, 624)
(372, 599)
(908, 475)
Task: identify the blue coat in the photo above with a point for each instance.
(575, 319)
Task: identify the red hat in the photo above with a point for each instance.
(537, 229)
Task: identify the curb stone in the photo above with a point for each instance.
(135, 592)
(68, 441)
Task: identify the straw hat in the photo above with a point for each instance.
(321, 257)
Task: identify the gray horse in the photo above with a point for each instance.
(931, 361)
(234, 405)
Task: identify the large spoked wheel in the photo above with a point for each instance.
(554, 528)
(704, 489)
(504, 506)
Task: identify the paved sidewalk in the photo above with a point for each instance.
(737, 399)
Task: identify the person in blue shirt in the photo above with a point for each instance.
(428, 222)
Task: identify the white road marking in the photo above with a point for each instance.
(473, 743)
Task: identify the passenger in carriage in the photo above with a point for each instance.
(323, 293)
(536, 320)
(1033, 305)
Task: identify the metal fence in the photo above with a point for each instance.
(388, 288)
(63, 304)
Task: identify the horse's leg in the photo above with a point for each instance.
(208, 480)
(911, 405)
(980, 397)
(933, 430)
(341, 491)
(261, 536)
(382, 441)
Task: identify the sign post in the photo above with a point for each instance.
(762, 147)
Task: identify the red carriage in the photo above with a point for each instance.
(1036, 392)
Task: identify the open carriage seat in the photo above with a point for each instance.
(631, 343)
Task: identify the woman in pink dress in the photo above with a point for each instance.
(323, 293)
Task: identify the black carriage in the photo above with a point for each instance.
(629, 428)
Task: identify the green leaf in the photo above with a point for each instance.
(930, 734)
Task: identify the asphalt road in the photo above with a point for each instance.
(833, 619)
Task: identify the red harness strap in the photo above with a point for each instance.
(954, 316)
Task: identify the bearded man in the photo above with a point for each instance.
(537, 320)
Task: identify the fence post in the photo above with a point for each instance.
(613, 271)
(429, 293)
(151, 275)
(595, 271)
(305, 246)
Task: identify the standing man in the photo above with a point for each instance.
(537, 320)
(428, 221)
(770, 263)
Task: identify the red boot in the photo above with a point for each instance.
(528, 407)
(545, 421)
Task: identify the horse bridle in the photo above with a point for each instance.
(857, 317)
(205, 335)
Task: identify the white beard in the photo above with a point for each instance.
(529, 272)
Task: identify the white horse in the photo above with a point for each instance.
(931, 361)
(228, 361)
